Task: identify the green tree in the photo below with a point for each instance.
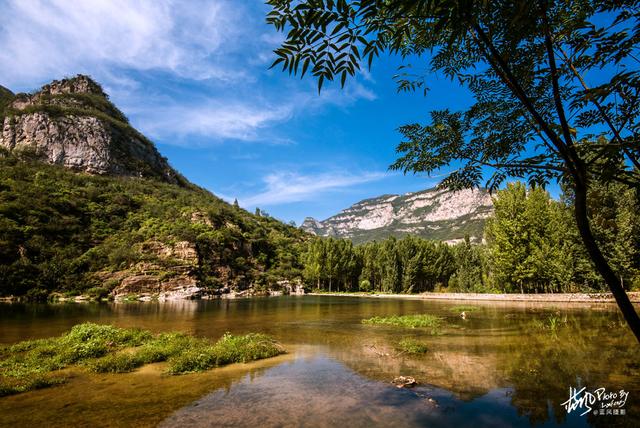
(526, 239)
(527, 63)
(313, 260)
(470, 265)
(614, 212)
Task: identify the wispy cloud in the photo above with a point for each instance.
(221, 47)
(40, 39)
(211, 119)
(287, 187)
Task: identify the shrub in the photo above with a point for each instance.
(98, 293)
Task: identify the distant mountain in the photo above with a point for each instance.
(89, 206)
(72, 123)
(431, 214)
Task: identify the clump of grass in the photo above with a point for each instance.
(82, 342)
(16, 386)
(33, 364)
(463, 308)
(229, 349)
(411, 346)
(122, 362)
(408, 321)
(165, 346)
(552, 324)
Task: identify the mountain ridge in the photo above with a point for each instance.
(432, 214)
(71, 122)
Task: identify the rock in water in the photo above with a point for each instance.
(404, 382)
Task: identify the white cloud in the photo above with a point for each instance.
(178, 69)
(40, 39)
(210, 118)
(286, 187)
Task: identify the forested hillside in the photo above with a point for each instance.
(89, 206)
(76, 233)
(112, 217)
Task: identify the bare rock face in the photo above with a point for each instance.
(79, 143)
(432, 214)
(72, 123)
(146, 282)
(148, 287)
(184, 251)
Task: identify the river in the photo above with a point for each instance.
(505, 364)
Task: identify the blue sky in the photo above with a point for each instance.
(193, 76)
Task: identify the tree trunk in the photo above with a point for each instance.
(610, 278)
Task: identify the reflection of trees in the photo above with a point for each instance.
(582, 350)
(536, 358)
(452, 364)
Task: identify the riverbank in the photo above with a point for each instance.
(548, 298)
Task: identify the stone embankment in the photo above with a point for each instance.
(548, 298)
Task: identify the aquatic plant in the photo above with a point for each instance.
(551, 324)
(37, 363)
(229, 349)
(411, 346)
(463, 308)
(408, 321)
(115, 363)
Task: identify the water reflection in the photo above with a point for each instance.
(322, 392)
(505, 365)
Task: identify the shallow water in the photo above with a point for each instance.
(502, 366)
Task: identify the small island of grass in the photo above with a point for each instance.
(38, 363)
(411, 346)
(408, 321)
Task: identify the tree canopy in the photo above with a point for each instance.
(556, 87)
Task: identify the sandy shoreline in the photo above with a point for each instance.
(545, 298)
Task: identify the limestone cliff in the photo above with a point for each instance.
(72, 123)
(432, 214)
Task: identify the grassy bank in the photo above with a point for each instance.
(40, 363)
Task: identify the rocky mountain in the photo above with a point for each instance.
(89, 207)
(432, 214)
(72, 123)
(6, 96)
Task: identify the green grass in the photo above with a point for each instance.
(229, 349)
(463, 308)
(411, 346)
(408, 321)
(36, 364)
(122, 362)
(551, 324)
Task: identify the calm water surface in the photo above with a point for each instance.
(503, 366)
